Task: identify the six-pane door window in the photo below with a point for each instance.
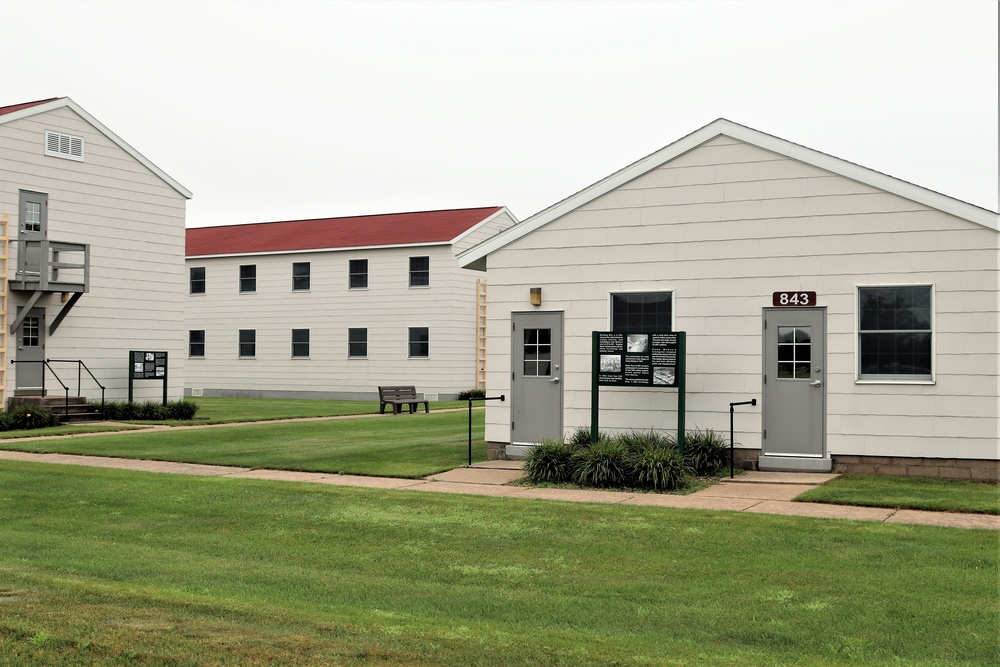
(894, 333)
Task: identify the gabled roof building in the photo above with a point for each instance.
(336, 307)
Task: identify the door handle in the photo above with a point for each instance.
(816, 383)
(554, 380)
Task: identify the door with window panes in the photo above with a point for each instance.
(794, 405)
(31, 351)
(536, 384)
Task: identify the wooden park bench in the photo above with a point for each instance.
(397, 397)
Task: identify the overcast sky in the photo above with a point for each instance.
(289, 110)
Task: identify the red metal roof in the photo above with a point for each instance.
(17, 107)
(350, 232)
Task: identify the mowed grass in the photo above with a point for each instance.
(908, 493)
(109, 567)
(393, 446)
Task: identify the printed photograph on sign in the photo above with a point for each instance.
(637, 343)
(611, 363)
(664, 375)
(149, 356)
(137, 367)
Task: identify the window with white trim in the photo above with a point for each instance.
(62, 145)
(197, 279)
(642, 312)
(300, 343)
(420, 271)
(300, 276)
(357, 343)
(248, 278)
(248, 343)
(419, 342)
(196, 343)
(357, 270)
(895, 333)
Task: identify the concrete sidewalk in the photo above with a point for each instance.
(753, 492)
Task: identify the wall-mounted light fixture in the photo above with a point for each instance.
(536, 296)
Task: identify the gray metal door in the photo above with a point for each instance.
(794, 405)
(536, 387)
(31, 351)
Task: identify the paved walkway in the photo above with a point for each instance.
(753, 492)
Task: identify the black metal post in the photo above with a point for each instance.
(732, 412)
(501, 398)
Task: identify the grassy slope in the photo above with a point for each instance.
(396, 446)
(908, 493)
(108, 567)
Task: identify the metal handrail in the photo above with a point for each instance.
(79, 378)
(79, 384)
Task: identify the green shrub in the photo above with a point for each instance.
(706, 452)
(603, 464)
(471, 393)
(182, 409)
(30, 417)
(639, 441)
(581, 437)
(6, 421)
(152, 411)
(117, 410)
(549, 461)
(658, 467)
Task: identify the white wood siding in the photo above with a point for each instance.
(726, 225)
(134, 223)
(387, 309)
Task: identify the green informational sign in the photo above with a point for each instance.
(145, 365)
(638, 360)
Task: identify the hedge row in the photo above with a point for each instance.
(636, 459)
(148, 411)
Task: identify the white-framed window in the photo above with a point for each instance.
(357, 270)
(248, 343)
(895, 333)
(642, 312)
(300, 343)
(301, 278)
(248, 278)
(62, 145)
(419, 342)
(197, 279)
(357, 343)
(196, 343)
(420, 272)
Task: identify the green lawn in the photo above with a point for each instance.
(106, 567)
(219, 409)
(908, 493)
(394, 446)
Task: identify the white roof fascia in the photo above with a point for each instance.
(66, 102)
(964, 210)
(358, 248)
(476, 226)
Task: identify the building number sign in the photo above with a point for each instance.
(794, 299)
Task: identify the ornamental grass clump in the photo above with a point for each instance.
(581, 437)
(549, 461)
(705, 451)
(604, 464)
(635, 442)
(29, 417)
(659, 468)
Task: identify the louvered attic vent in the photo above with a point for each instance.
(63, 145)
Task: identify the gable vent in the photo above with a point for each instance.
(63, 145)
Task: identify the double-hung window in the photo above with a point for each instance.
(357, 343)
(248, 343)
(642, 312)
(248, 278)
(300, 343)
(197, 279)
(419, 342)
(300, 276)
(420, 271)
(196, 343)
(358, 274)
(895, 333)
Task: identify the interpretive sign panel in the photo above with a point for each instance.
(637, 360)
(145, 365)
